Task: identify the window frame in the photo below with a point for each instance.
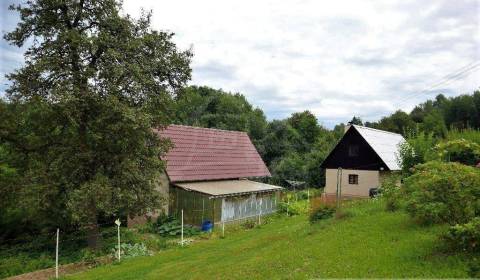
(353, 179)
(353, 150)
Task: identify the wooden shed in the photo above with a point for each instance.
(207, 176)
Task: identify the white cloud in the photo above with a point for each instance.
(335, 58)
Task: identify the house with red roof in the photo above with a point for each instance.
(207, 176)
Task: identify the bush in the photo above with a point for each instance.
(391, 191)
(459, 150)
(89, 256)
(293, 208)
(474, 268)
(321, 213)
(249, 224)
(465, 237)
(131, 250)
(174, 228)
(443, 192)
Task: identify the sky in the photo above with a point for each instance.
(335, 58)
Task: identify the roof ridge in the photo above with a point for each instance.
(206, 128)
(375, 129)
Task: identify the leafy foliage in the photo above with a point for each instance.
(128, 250)
(292, 207)
(465, 237)
(85, 131)
(416, 150)
(391, 191)
(322, 212)
(440, 192)
(461, 150)
(168, 226)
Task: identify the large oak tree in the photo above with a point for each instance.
(96, 83)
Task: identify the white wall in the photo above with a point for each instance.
(366, 180)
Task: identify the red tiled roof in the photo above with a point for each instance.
(210, 154)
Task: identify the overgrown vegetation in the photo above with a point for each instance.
(370, 243)
(441, 185)
(322, 212)
(170, 226)
(440, 192)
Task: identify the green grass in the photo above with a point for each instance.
(369, 242)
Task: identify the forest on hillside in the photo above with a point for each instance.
(293, 148)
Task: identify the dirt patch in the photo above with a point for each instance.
(63, 270)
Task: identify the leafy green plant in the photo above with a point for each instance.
(459, 150)
(322, 212)
(474, 268)
(89, 256)
(465, 237)
(249, 224)
(128, 250)
(174, 228)
(391, 191)
(293, 208)
(440, 192)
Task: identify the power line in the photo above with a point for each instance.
(449, 78)
(453, 76)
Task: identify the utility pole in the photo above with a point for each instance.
(339, 186)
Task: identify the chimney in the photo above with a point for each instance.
(346, 127)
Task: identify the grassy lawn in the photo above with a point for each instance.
(367, 243)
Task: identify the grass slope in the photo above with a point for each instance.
(369, 243)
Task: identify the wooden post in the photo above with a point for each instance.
(308, 199)
(182, 228)
(288, 203)
(223, 229)
(56, 254)
(118, 223)
(339, 186)
(259, 214)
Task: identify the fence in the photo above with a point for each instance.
(54, 249)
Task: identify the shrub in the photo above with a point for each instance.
(89, 256)
(249, 224)
(465, 237)
(321, 212)
(174, 228)
(391, 191)
(459, 150)
(293, 208)
(443, 192)
(416, 150)
(128, 250)
(474, 268)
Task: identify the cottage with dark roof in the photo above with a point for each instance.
(207, 176)
(361, 160)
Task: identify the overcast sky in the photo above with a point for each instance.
(334, 58)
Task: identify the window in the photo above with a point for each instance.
(353, 179)
(353, 150)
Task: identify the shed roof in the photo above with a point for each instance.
(386, 144)
(228, 187)
(210, 154)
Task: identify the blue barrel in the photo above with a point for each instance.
(207, 226)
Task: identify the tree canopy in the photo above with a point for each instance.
(93, 86)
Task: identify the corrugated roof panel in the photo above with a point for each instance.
(210, 154)
(228, 187)
(385, 144)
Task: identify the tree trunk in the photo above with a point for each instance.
(94, 238)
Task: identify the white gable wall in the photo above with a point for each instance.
(367, 179)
